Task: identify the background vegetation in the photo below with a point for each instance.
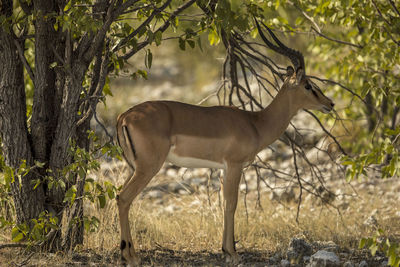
(351, 47)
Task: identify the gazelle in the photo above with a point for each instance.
(221, 137)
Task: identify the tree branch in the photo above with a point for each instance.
(335, 40)
(155, 12)
(327, 132)
(394, 7)
(24, 61)
(162, 28)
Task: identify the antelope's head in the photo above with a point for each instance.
(304, 93)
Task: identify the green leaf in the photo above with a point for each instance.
(199, 44)
(39, 164)
(213, 37)
(82, 172)
(149, 59)
(70, 195)
(37, 182)
(191, 43)
(106, 88)
(277, 2)
(158, 37)
(363, 242)
(373, 248)
(175, 22)
(142, 73)
(16, 234)
(150, 36)
(102, 200)
(182, 44)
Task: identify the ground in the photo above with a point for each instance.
(177, 221)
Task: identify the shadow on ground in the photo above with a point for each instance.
(167, 257)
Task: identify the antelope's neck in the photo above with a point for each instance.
(274, 119)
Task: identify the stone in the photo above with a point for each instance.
(154, 194)
(306, 259)
(363, 264)
(198, 181)
(171, 208)
(371, 221)
(184, 192)
(285, 263)
(324, 258)
(327, 246)
(283, 194)
(348, 264)
(298, 248)
(172, 172)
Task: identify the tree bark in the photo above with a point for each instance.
(13, 126)
(43, 120)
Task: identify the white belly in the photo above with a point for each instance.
(189, 162)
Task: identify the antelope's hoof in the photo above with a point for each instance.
(128, 255)
(130, 261)
(232, 259)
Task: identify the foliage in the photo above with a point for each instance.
(366, 36)
(380, 243)
(36, 231)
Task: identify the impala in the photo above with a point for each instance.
(221, 137)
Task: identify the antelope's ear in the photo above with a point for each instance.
(289, 71)
(299, 75)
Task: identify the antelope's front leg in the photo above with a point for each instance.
(230, 192)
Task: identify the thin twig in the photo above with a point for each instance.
(110, 137)
(327, 132)
(394, 7)
(336, 40)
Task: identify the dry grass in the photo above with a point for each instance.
(187, 229)
(193, 223)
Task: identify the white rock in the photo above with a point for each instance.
(348, 264)
(198, 181)
(174, 187)
(171, 172)
(371, 221)
(183, 192)
(285, 263)
(171, 208)
(283, 194)
(200, 172)
(195, 203)
(182, 172)
(327, 246)
(154, 194)
(324, 259)
(242, 187)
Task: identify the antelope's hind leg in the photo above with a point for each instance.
(147, 166)
(130, 190)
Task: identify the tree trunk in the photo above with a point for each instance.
(13, 127)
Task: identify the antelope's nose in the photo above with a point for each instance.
(332, 104)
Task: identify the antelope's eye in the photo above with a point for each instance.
(308, 86)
